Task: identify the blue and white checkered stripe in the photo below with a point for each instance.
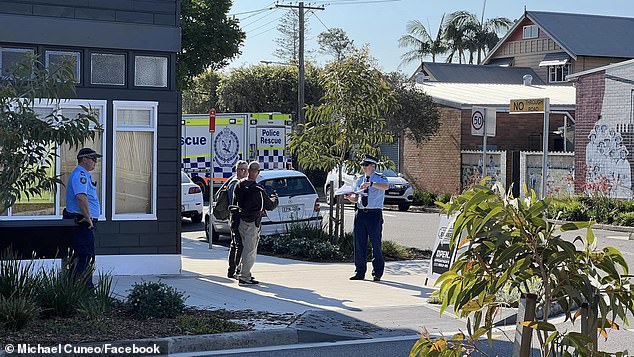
(271, 159)
(191, 165)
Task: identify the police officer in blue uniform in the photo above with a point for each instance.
(82, 204)
(368, 220)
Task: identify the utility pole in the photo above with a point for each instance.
(300, 89)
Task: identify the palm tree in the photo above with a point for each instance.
(421, 42)
(464, 32)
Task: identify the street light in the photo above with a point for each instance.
(280, 63)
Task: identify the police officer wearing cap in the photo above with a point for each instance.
(368, 220)
(82, 204)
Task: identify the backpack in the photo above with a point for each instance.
(221, 207)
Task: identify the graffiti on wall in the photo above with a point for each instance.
(610, 149)
(472, 168)
(560, 177)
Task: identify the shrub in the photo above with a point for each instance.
(603, 209)
(444, 198)
(571, 210)
(17, 277)
(17, 311)
(308, 242)
(626, 206)
(155, 300)
(196, 325)
(625, 219)
(61, 293)
(101, 301)
(394, 250)
(424, 198)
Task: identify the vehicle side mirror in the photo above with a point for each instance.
(400, 174)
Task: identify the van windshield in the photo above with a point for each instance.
(289, 186)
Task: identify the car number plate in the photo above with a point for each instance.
(393, 193)
(293, 208)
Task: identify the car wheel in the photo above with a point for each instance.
(197, 217)
(403, 206)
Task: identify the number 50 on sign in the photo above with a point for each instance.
(478, 117)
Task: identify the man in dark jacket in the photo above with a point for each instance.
(252, 200)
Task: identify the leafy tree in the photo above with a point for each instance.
(202, 94)
(508, 242)
(419, 39)
(350, 120)
(288, 41)
(266, 88)
(416, 114)
(465, 32)
(209, 38)
(28, 140)
(335, 42)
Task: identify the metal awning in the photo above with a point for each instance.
(502, 62)
(555, 59)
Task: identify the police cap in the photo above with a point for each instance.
(89, 153)
(369, 159)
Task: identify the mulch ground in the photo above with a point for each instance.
(120, 325)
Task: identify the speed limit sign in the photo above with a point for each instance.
(478, 115)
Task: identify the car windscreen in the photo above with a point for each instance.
(288, 186)
(389, 173)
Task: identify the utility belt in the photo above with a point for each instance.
(367, 210)
(77, 217)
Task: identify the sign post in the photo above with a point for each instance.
(539, 105)
(212, 129)
(483, 123)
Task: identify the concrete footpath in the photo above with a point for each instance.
(315, 301)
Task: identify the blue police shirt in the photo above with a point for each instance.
(80, 181)
(375, 196)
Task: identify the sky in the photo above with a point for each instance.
(380, 23)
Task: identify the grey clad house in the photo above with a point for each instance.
(125, 56)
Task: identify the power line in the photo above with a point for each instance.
(265, 31)
(259, 27)
(258, 19)
(328, 3)
(315, 14)
(268, 7)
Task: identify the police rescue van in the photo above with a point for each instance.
(246, 136)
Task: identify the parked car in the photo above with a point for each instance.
(298, 204)
(400, 192)
(191, 199)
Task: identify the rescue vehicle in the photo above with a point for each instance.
(238, 136)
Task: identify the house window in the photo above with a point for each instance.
(530, 31)
(50, 204)
(134, 165)
(150, 71)
(55, 60)
(558, 73)
(107, 69)
(11, 57)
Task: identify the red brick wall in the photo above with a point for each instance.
(590, 91)
(435, 165)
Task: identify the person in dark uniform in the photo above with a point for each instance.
(82, 204)
(235, 248)
(368, 220)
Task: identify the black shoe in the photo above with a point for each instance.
(357, 277)
(231, 275)
(376, 278)
(248, 282)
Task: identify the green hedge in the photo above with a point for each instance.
(603, 210)
(428, 199)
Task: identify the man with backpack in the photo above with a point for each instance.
(235, 248)
(251, 200)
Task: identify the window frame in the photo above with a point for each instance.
(126, 77)
(552, 70)
(79, 78)
(103, 118)
(534, 32)
(14, 49)
(134, 71)
(135, 105)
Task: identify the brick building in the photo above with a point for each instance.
(437, 165)
(605, 130)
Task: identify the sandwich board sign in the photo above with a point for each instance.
(442, 255)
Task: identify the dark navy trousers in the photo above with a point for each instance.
(84, 249)
(368, 224)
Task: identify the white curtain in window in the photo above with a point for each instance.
(134, 167)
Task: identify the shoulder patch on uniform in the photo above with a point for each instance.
(82, 180)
